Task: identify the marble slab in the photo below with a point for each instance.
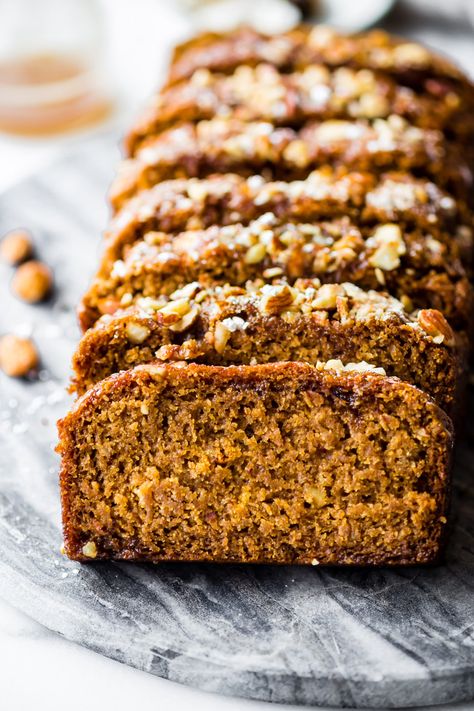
(364, 638)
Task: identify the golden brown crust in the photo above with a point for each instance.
(151, 510)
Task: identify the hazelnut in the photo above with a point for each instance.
(18, 356)
(32, 282)
(15, 247)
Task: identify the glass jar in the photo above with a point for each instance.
(50, 65)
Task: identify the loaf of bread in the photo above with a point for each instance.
(278, 333)
(279, 463)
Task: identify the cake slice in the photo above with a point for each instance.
(177, 205)
(263, 93)
(262, 323)
(227, 145)
(410, 63)
(413, 266)
(222, 199)
(279, 463)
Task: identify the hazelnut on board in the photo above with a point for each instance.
(15, 247)
(18, 356)
(32, 281)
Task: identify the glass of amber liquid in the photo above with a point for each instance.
(51, 76)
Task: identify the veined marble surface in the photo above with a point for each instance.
(38, 668)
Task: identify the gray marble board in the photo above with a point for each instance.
(365, 638)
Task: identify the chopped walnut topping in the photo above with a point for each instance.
(321, 37)
(202, 77)
(373, 106)
(327, 296)
(178, 307)
(276, 299)
(221, 336)
(186, 292)
(137, 333)
(197, 191)
(90, 549)
(436, 326)
(338, 130)
(379, 275)
(187, 320)
(272, 272)
(411, 54)
(361, 367)
(126, 300)
(297, 153)
(256, 253)
(390, 246)
(118, 270)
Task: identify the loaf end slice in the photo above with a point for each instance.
(279, 463)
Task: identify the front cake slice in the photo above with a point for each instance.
(279, 463)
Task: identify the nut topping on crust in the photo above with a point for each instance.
(436, 326)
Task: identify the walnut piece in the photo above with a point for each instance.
(90, 549)
(327, 296)
(174, 311)
(436, 326)
(276, 299)
(221, 336)
(187, 320)
(255, 254)
(136, 332)
(390, 246)
(339, 367)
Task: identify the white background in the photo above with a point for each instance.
(39, 670)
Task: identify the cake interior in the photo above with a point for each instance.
(346, 469)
